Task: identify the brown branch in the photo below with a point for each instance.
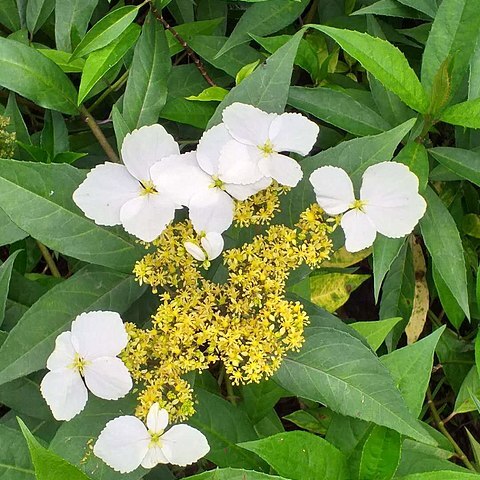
(96, 130)
(198, 63)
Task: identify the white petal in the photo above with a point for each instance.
(238, 163)
(179, 177)
(333, 188)
(393, 203)
(210, 146)
(64, 392)
(247, 124)
(123, 443)
(359, 230)
(211, 211)
(281, 168)
(108, 378)
(242, 192)
(99, 334)
(63, 354)
(292, 132)
(212, 242)
(195, 251)
(144, 147)
(153, 457)
(101, 195)
(183, 445)
(147, 216)
(157, 419)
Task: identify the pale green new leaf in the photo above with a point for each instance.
(62, 59)
(442, 239)
(262, 19)
(32, 339)
(32, 75)
(31, 192)
(101, 61)
(384, 61)
(454, 34)
(106, 30)
(146, 90)
(301, 456)
(375, 332)
(465, 114)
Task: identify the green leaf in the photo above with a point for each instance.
(260, 398)
(9, 15)
(331, 290)
(385, 251)
(5, 274)
(375, 332)
(48, 465)
(454, 34)
(224, 426)
(384, 61)
(378, 455)
(465, 114)
(101, 61)
(146, 90)
(17, 124)
(37, 13)
(389, 8)
(31, 341)
(246, 71)
(74, 438)
(32, 75)
(71, 18)
(339, 109)
(262, 19)
(62, 59)
(314, 420)
(429, 7)
(356, 381)
(54, 136)
(106, 30)
(441, 235)
(411, 367)
(441, 475)
(465, 163)
(230, 62)
(301, 456)
(9, 232)
(415, 157)
(234, 474)
(15, 463)
(453, 312)
(267, 87)
(470, 389)
(29, 192)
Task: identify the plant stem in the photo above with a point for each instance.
(49, 259)
(112, 88)
(97, 131)
(230, 394)
(441, 426)
(198, 63)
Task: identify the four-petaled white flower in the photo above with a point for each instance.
(126, 443)
(125, 194)
(389, 202)
(87, 353)
(211, 247)
(261, 136)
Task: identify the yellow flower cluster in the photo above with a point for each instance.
(7, 140)
(260, 208)
(246, 323)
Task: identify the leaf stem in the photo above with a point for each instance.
(230, 393)
(198, 63)
(49, 260)
(441, 426)
(112, 88)
(97, 131)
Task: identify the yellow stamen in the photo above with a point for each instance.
(148, 188)
(79, 364)
(358, 205)
(156, 438)
(267, 148)
(217, 183)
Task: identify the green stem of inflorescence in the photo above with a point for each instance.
(49, 260)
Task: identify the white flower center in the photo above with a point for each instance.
(217, 183)
(267, 148)
(148, 187)
(79, 364)
(156, 439)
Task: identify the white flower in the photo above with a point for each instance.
(125, 443)
(88, 352)
(261, 136)
(125, 194)
(389, 202)
(211, 247)
(205, 184)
